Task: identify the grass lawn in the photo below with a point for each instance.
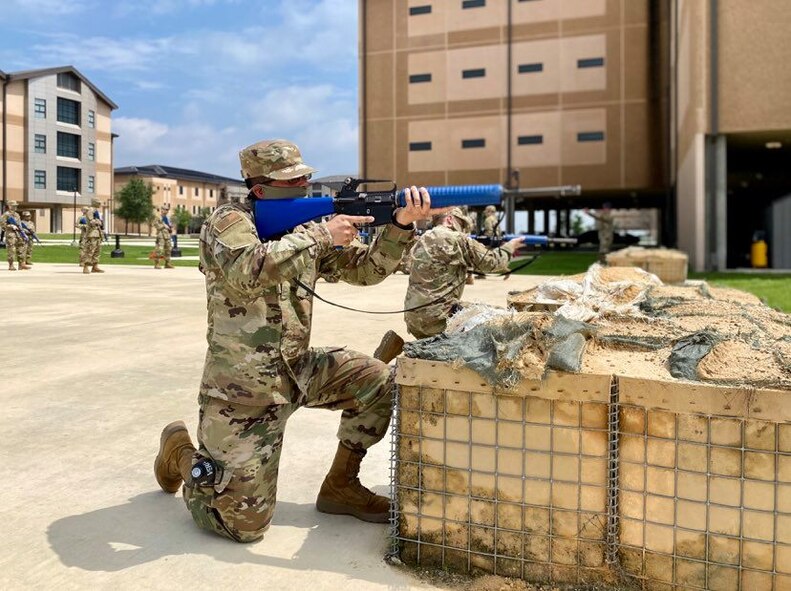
(775, 290)
(133, 255)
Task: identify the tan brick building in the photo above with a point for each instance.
(608, 94)
(180, 188)
(57, 144)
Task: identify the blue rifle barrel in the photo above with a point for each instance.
(531, 239)
(461, 195)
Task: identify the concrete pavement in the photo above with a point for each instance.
(92, 368)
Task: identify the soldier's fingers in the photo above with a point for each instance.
(416, 197)
(439, 210)
(425, 200)
(359, 219)
(408, 201)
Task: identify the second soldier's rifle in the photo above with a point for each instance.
(527, 240)
(30, 232)
(105, 235)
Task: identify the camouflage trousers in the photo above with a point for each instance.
(15, 247)
(246, 441)
(163, 246)
(91, 249)
(26, 252)
(605, 242)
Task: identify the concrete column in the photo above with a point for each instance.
(568, 222)
(56, 219)
(510, 204)
(721, 202)
(531, 221)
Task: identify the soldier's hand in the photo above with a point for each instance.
(418, 207)
(343, 228)
(515, 243)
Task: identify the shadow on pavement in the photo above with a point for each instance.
(151, 526)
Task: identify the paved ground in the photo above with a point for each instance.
(92, 368)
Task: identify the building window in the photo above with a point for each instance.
(196, 191)
(476, 73)
(40, 179)
(591, 62)
(68, 81)
(68, 145)
(476, 143)
(530, 140)
(211, 193)
(416, 10)
(91, 184)
(91, 119)
(40, 108)
(418, 78)
(590, 136)
(68, 178)
(419, 146)
(181, 190)
(473, 4)
(68, 111)
(530, 68)
(40, 143)
(91, 151)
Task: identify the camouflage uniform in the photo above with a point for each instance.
(82, 224)
(259, 368)
(163, 243)
(27, 257)
(491, 226)
(605, 224)
(441, 258)
(93, 236)
(14, 242)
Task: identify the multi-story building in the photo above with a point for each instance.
(57, 144)
(180, 188)
(618, 96)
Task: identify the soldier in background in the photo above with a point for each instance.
(164, 230)
(15, 239)
(30, 229)
(93, 239)
(259, 367)
(605, 224)
(82, 224)
(441, 258)
(491, 222)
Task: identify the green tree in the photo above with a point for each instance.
(181, 217)
(197, 220)
(135, 203)
(577, 225)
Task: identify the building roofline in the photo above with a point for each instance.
(172, 172)
(27, 74)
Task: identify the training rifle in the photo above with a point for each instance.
(20, 232)
(30, 232)
(527, 240)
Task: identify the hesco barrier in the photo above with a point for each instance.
(593, 479)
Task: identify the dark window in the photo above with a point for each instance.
(529, 140)
(415, 10)
(91, 119)
(476, 143)
(592, 62)
(68, 111)
(68, 81)
(68, 145)
(476, 73)
(590, 136)
(211, 193)
(91, 184)
(40, 108)
(416, 78)
(196, 191)
(68, 178)
(181, 190)
(40, 144)
(530, 68)
(40, 181)
(473, 3)
(91, 151)
(419, 146)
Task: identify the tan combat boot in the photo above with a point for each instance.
(390, 347)
(174, 460)
(156, 264)
(342, 494)
(86, 269)
(470, 279)
(96, 269)
(11, 267)
(169, 265)
(24, 267)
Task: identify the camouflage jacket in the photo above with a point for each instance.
(605, 223)
(259, 317)
(95, 224)
(440, 260)
(4, 220)
(160, 227)
(491, 226)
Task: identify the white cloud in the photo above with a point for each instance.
(42, 8)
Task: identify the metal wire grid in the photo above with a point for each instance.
(704, 572)
(437, 550)
(392, 553)
(613, 414)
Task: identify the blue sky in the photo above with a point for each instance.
(196, 80)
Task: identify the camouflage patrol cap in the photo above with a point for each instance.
(84, 209)
(12, 204)
(460, 220)
(280, 160)
(490, 209)
(26, 213)
(95, 202)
